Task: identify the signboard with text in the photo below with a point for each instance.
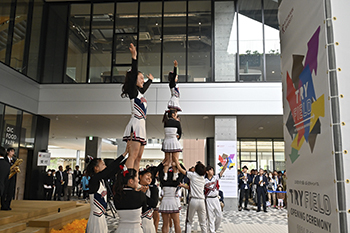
(44, 159)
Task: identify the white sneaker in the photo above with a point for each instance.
(175, 176)
(165, 176)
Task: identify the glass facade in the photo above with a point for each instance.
(17, 128)
(213, 41)
(261, 153)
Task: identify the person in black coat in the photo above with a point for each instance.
(10, 186)
(48, 185)
(4, 172)
(59, 183)
(261, 182)
(244, 180)
(77, 185)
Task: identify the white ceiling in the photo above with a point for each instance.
(70, 131)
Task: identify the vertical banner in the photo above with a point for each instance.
(227, 151)
(311, 190)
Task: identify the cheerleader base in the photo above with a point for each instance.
(170, 203)
(129, 221)
(148, 225)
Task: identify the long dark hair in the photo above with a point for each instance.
(171, 76)
(122, 179)
(168, 114)
(91, 164)
(127, 86)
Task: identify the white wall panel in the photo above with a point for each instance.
(17, 90)
(196, 99)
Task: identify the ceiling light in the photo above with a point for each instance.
(205, 118)
(199, 23)
(260, 128)
(273, 72)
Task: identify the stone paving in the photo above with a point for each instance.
(274, 221)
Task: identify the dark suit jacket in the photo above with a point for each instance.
(241, 184)
(59, 178)
(11, 184)
(256, 181)
(4, 174)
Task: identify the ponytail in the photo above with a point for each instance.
(122, 179)
(168, 114)
(91, 164)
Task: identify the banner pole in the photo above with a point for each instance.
(336, 124)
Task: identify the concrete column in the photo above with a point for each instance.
(121, 146)
(93, 147)
(226, 130)
(77, 160)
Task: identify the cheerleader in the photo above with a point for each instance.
(175, 93)
(211, 192)
(152, 193)
(171, 145)
(129, 201)
(170, 205)
(134, 88)
(98, 172)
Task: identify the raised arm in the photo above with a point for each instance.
(172, 82)
(146, 84)
(114, 168)
(183, 171)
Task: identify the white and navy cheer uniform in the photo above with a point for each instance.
(172, 129)
(98, 198)
(137, 123)
(170, 202)
(211, 191)
(174, 101)
(129, 209)
(147, 212)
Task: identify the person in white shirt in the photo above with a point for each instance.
(211, 192)
(68, 189)
(197, 198)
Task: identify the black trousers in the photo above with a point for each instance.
(48, 194)
(261, 195)
(58, 192)
(244, 194)
(9, 193)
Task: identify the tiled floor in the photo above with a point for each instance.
(274, 221)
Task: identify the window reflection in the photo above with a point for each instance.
(250, 41)
(33, 56)
(19, 35)
(272, 41)
(28, 130)
(265, 159)
(5, 10)
(150, 32)
(79, 29)
(174, 39)
(280, 159)
(11, 128)
(199, 41)
(101, 42)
